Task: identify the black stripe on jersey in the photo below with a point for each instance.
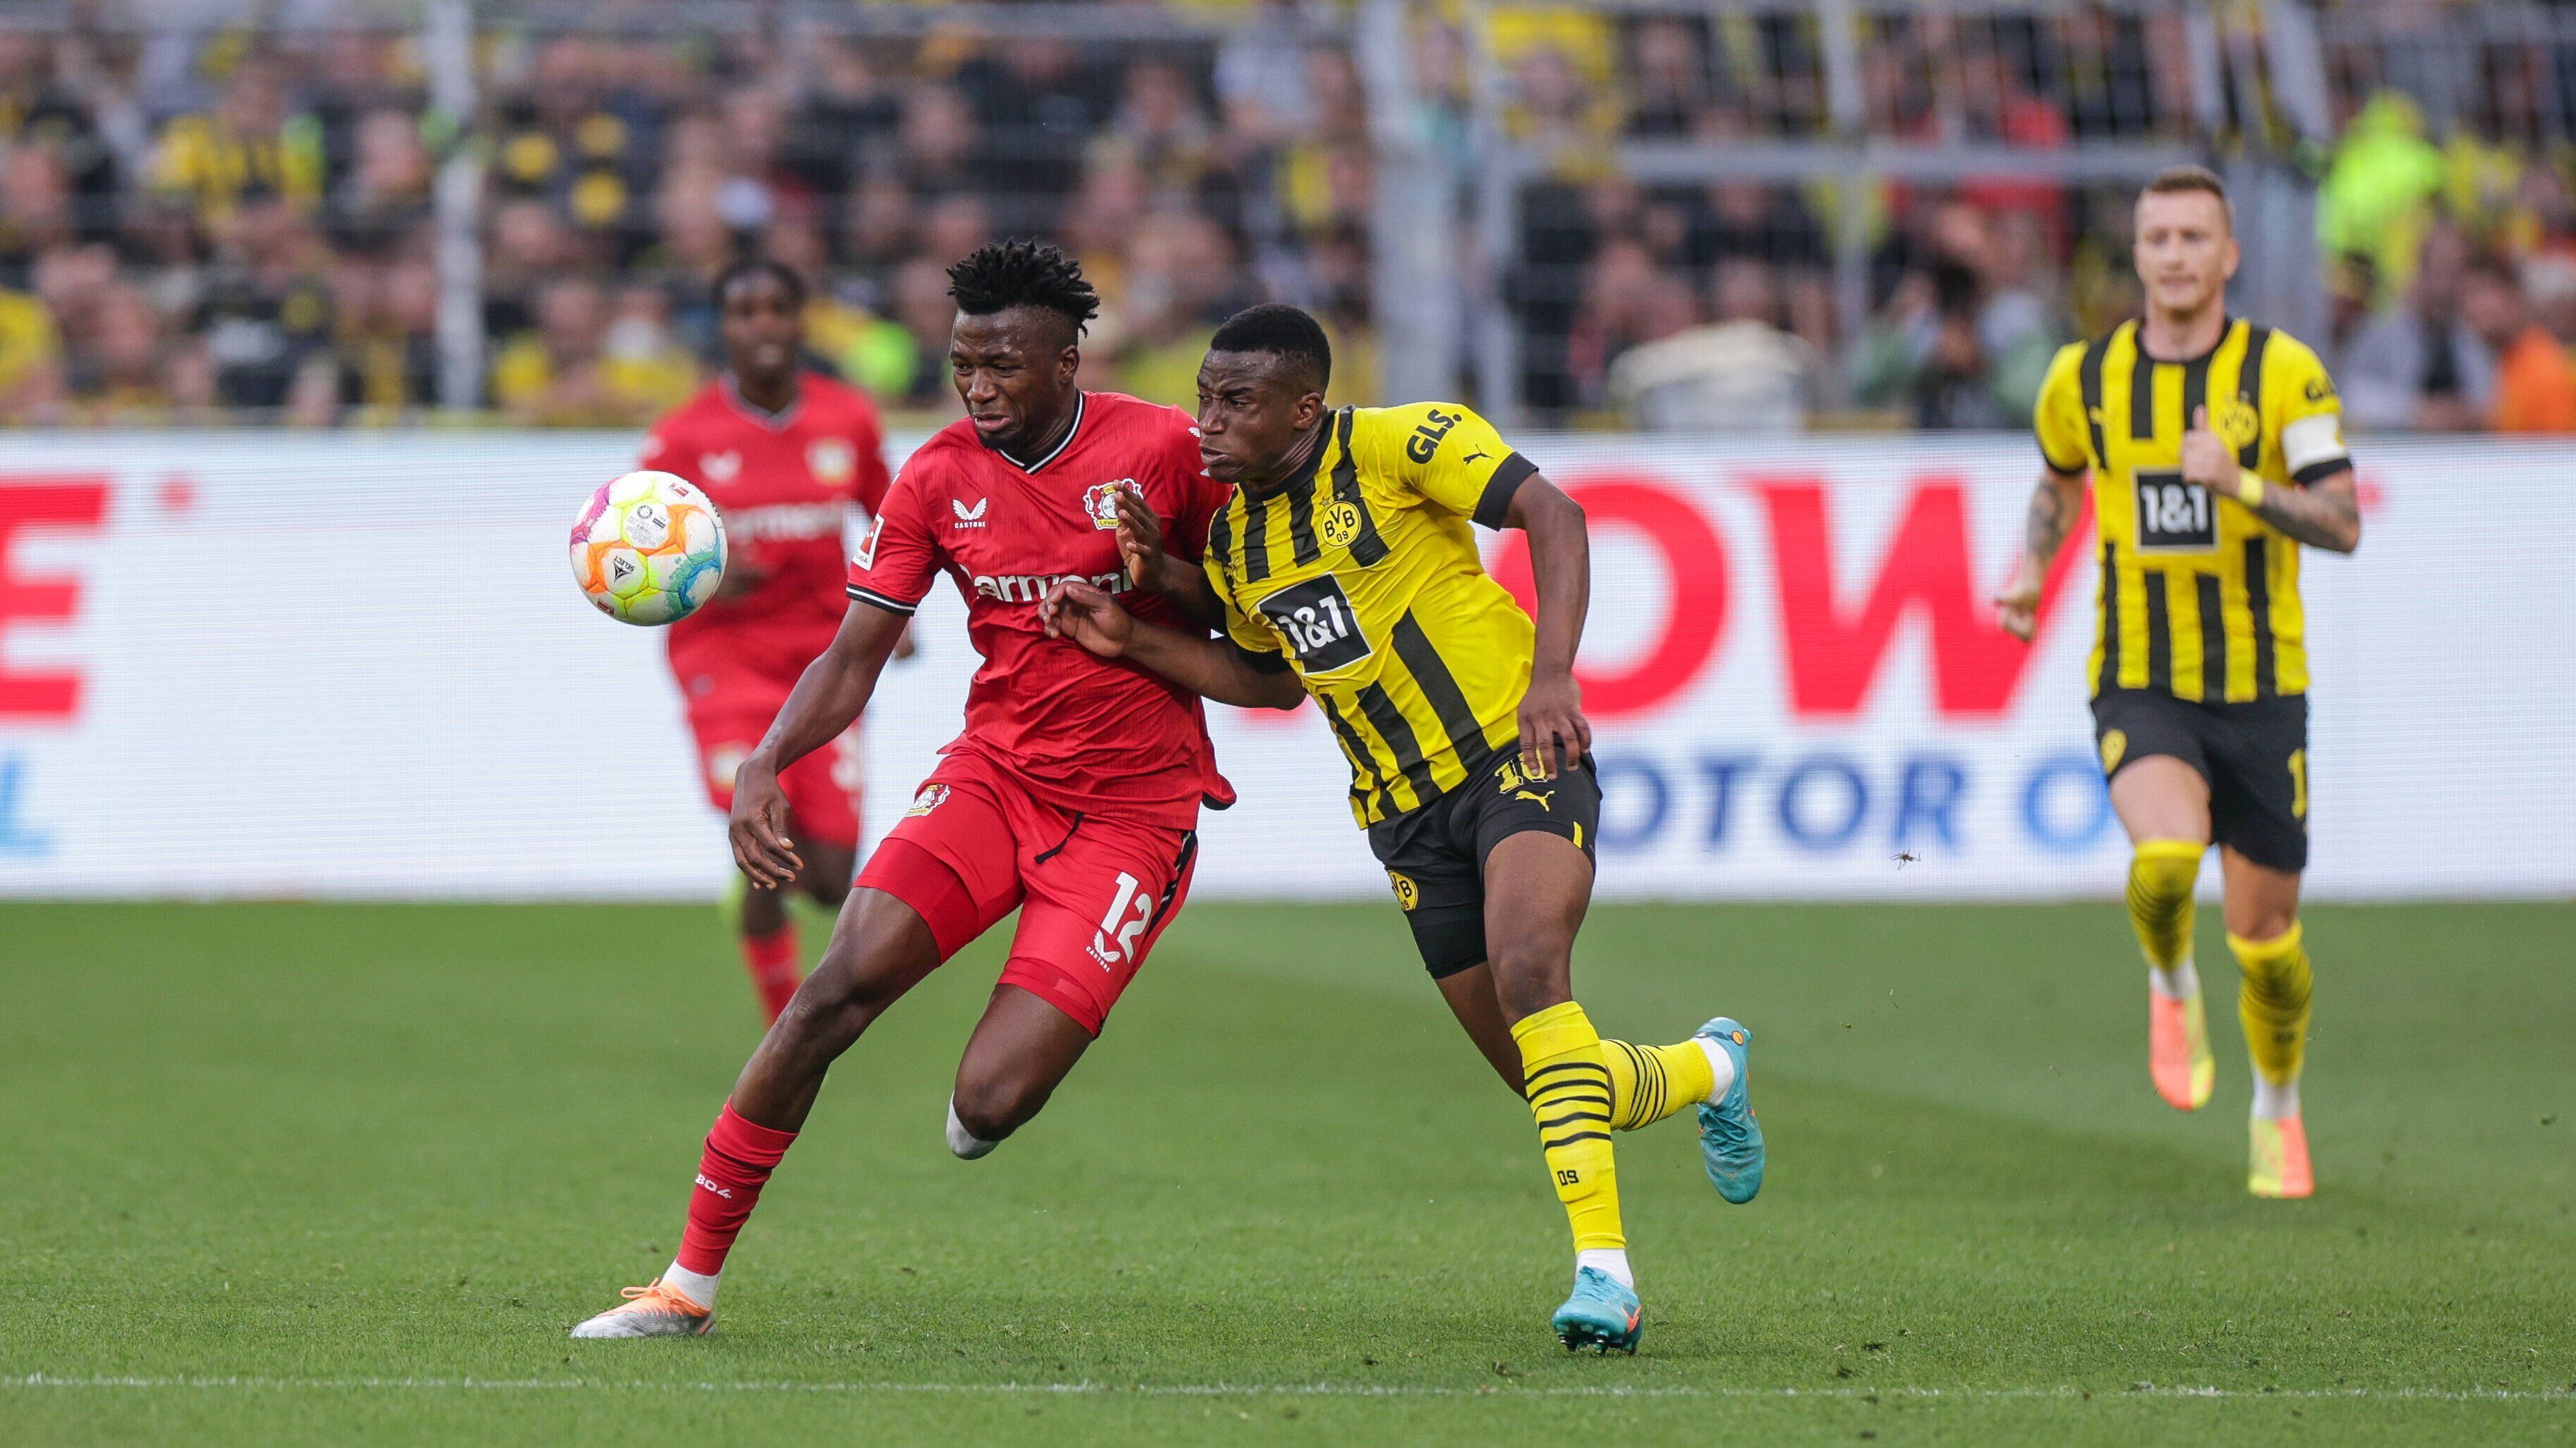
(1495, 503)
(2089, 375)
(1256, 538)
(2142, 392)
(1301, 522)
(1388, 720)
(2258, 601)
(1431, 675)
(2195, 385)
(1367, 548)
(2159, 632)
(2307, 476)
(2249, 385)
(2213, 640)
(879, 600)
(2109, 678)
(1220, 542)
(1364, 778)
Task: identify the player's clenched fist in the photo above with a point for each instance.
(1088, 616)
(759, 827)
(2206, 457)
(2017, 609)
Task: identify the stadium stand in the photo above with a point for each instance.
(1771, 215)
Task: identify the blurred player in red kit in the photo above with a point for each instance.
(1071, 797)
(787, 455)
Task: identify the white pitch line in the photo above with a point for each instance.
(1252, 1390)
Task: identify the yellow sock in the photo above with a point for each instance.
(2160, 880)
(1568, 1085)
(2273, 1002)
(1649, 1083)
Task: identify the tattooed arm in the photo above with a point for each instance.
(2053, 505)
(2324, 514)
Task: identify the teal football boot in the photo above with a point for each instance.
(1730, 1135)
(1601, 1314)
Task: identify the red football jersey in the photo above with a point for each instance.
(784, 486)
(1093, 733)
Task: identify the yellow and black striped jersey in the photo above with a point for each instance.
(2200, 597)
(1362, 575)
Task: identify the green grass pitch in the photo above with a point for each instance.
(332, 1174)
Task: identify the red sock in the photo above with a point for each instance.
(739, 1158)
(772, 959)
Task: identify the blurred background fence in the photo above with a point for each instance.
(1717, 215)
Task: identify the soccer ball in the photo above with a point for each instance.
(648, 548)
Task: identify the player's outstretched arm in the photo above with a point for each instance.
(1140, 542)
(1554, 733)
(828, 697)
(2053, 506)
(1211, 668)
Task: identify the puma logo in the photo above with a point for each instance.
(1540, 800)
(1471, 457)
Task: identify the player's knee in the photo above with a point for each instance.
(1529, 977)
(990, 1108)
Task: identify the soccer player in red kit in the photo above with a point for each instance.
(1072, 796)
(787, 455)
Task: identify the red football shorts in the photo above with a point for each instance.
(822, 788)
(1093, 892)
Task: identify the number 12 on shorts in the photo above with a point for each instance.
(1115, 940)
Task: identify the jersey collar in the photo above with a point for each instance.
(2226, 329)
(774, 421)
(1081, 402)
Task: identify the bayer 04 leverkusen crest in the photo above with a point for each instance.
(1100, 500)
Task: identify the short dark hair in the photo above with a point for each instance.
(759, 266)
(2174, 180)
(1281, 331)
(1000, 275)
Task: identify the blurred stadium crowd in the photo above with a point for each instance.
(234, 220)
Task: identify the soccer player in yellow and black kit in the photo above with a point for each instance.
(2216, 449)
(1344, 569)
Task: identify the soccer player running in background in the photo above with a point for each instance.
(1071, 797)
(1344, 568)
(2216, 449)
(788, 456)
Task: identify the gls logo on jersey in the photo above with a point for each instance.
(970, 517)
(1426, 439)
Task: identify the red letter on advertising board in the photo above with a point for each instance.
(26, 504)
(1695, 560)
(1834, 657)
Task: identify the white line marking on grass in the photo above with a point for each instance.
(1245, 1390)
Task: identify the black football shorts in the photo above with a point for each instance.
(2254, 755)
(1435, 854)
